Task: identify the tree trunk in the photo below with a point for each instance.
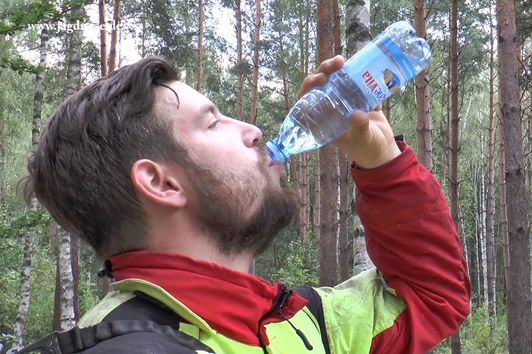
(343, 176)
(25, 276)
(256, 64)
(343, 231)
(328, 160)
(490, 195)
(503, 205)
(304, 158)
(56, 323)
(529, 144)
(238, 17)
(65, 270)
(74, 252)
(73, 80)
(25, 291)
(456, 347)
(199, 68)
(54, 244)
(424, 120)
(103, 37)
(317, 198)
(518, 298)
(357, 36)
(114, 36)
(143, 37)
(480, 234)
(304, 205)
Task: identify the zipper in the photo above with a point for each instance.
(278, 305)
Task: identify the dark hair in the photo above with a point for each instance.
(80, 170)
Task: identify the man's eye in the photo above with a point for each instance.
(214, 123)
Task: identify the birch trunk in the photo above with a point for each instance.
(25, 276)
(518, 299)
(74, 257)
(25, 291)
(73, 82)
(357, 36)
(65, 270)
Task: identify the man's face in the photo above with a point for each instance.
(240, 198)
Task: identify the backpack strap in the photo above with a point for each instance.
(315, 307)
(141, 314)
(79, 339)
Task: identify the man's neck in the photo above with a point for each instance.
(196, 246)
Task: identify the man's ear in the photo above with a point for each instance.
(157, 183)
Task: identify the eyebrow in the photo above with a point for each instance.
(208, 108)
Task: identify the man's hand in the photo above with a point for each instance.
(369, 139)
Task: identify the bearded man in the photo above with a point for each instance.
(179, 199)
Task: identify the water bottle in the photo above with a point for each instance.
(373, 74)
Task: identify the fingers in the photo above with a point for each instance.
(321, 76)
(310, 82)
(331, 65)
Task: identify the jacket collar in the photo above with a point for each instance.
(236, 304)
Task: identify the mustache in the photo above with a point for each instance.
(263, 155)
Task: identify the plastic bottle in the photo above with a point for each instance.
(373, 74)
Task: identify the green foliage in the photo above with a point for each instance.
(169, 28)
(40, 314)
(18, 16)
(19, 65)
(289, 260)
(480, 336)
(20, 225)
(11, 253)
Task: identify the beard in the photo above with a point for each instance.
(236, 213)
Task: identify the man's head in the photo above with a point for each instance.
(139, 141)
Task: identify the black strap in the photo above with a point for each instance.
(316, 308)
(78, 339)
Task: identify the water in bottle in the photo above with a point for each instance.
(373, 74)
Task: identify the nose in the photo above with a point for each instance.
(251, 134)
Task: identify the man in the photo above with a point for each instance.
(179, 199)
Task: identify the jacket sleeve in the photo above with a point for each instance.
(411, 238)
(420, 293)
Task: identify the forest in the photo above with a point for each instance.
(468, 117)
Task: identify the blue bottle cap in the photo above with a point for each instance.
(275, 152)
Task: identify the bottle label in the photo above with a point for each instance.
(376, 71)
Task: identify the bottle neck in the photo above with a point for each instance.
(275, 151)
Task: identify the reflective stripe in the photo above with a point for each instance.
(111, 301)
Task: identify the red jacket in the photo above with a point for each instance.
(413, 241)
